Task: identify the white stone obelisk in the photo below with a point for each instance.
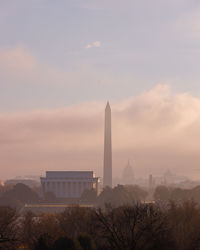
(107, 172)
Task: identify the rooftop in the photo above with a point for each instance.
(70, 174)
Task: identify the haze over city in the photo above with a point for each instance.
(60, 61)
(99, 124)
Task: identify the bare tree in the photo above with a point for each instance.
(9, 224)
(138, 227)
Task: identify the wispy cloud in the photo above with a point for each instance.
(95, 44)
(19, 65)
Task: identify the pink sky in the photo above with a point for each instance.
(156, 130)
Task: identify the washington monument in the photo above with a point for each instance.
(107, 171)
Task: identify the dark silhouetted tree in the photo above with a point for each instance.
(66, 243)
(45, 242)
(86, 242)
(184, 221)
(76, 220)
(121, 195)
(89, 196)
(9, 228)
(135, 227)
(22, 193)
(162, 193)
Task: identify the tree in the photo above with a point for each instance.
(105, 196)
(89, 196)
(180, 195)
(161, 193)
(135, 227)
(121, 195)
(76, 220)
(49, 223)
(30, 230)
(66, 243)
(136, 193)
(184, 222)
(35, 227)
(86, 242)
(10, 202)
(8, 228)
(44, 242)
(195, 194)
(22, 193)
(4, 188)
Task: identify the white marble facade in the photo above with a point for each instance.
(68, 184)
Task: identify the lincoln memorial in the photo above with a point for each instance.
(69, 184)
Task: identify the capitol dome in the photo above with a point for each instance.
(128, 175)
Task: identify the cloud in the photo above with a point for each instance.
(158, 129)
(19, 65)
(96, 44)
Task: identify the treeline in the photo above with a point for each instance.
(116, 196)
(128, 227)
(165, 194)
(128, 194)
(18, 195)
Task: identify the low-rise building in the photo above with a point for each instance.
(69, 184)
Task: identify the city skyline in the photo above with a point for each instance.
(100, 124)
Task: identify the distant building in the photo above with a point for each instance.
(170, 178)
(68, 184)
(128, 175)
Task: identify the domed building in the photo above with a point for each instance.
(128, 175)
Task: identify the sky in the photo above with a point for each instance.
(60, 61)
